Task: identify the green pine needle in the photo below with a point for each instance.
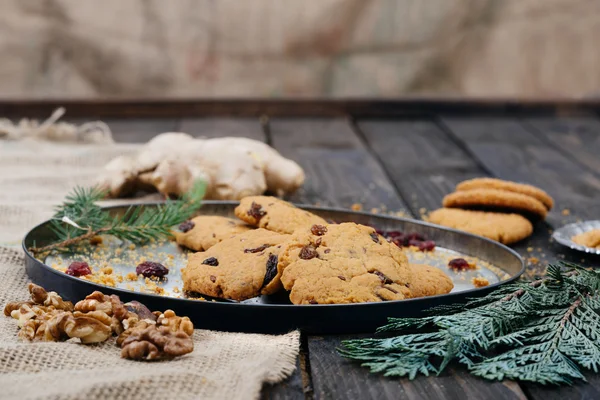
(545, 331)
(80, 218)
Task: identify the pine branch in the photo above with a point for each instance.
(79, 219)
(543, 331)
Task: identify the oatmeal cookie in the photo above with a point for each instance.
(503, 228)
(493, 183)
(588, 239)
(345, 263)
(428, 281)
(274, 214)
(494, 199)
(203, 232)
(238, 268)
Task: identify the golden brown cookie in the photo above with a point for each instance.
(494, 199)
(588, 239)
(238, 268)
(503, 228)
(493, 183)
(345, 263)
(274, 214)
(428, 281)
(203, 232)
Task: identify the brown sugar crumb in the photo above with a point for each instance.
(566, 212)
(356, 207)
(132, 276)
(96, 240)
(480, 281)
(533, 260)
(106, 270)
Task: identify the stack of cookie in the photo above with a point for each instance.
(276, 246)
(494, 208)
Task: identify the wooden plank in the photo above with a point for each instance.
(576, 138)
(290, 389)
(340, 171)
(184, 108)
(219, 127)
(138, 130)
(335, 379)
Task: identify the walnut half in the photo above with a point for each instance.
(154, 343)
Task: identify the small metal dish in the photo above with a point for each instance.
(564, 235)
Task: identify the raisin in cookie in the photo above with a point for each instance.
(503, 228)
(238, 268)
(274, 214)
(494, 199)
(203, 232)
(345, 263)
(493, 183)
(428, 281)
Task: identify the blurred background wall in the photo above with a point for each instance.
(271, 48)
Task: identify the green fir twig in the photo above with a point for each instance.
(79, 218)
(545, 331)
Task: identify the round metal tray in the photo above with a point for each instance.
(275, 314)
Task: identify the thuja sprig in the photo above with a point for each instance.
(79, 218)
(545, 331)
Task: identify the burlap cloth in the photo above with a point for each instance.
(34, 177)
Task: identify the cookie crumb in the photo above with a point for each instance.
(533, 260)
(566, 212)
(529, 249)
(480, 281)
(356, 207)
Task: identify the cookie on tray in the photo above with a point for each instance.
(238, 268)
(343, 263)
(496, 200)
(203, 232)
(588, 239)
(274, 214)
(503, 228)
(428, 281)
(493, 183)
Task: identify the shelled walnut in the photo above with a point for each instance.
(142, 334)
(156, 343)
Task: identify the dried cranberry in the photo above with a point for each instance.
(459, 264)
(308, 252)
(383, 278)
(271, 269)
(318, 230)
(327, 251)
(256, 211)
(375, 237)
(394, 234)
(78, 268)
(313, 302)
(414, 242)
(187, 226)
(382, 233)
(213, 262)
(416, 236)
(213, 278)
(256, 250)
(342, 277)
(427, 245)
(150, 269)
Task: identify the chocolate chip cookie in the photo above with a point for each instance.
(428, 281)
(503, 228)
(493, 183)
(345, 263)
(274, 214)
(237, 268)
(203, 232)
(497, 200)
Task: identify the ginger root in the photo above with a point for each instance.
(232, 167)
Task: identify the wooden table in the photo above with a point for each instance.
(396, 156)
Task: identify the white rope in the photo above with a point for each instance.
(51, 129)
